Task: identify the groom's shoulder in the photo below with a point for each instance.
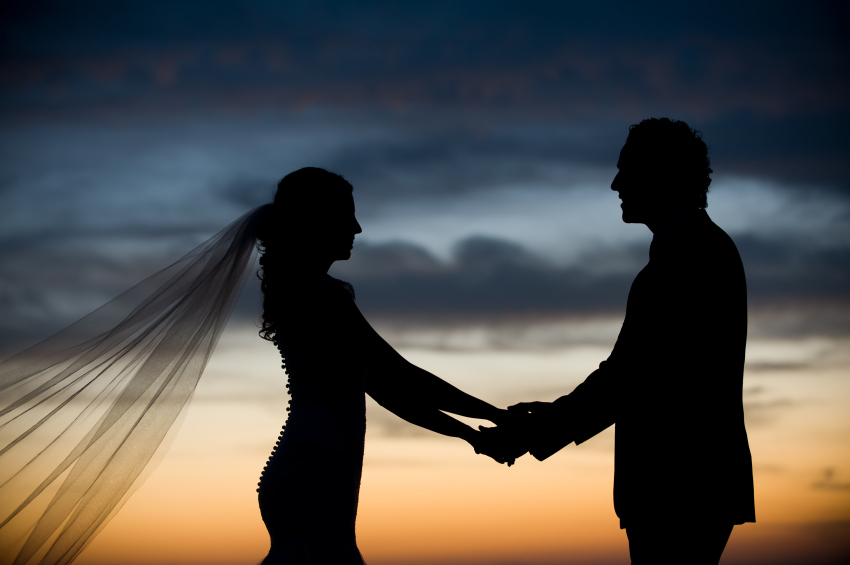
(708, 237)
(713, 252)
(721, 241)
(701, 251)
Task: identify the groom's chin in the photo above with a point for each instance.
(630, 216)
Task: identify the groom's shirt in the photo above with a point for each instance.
(672, 386)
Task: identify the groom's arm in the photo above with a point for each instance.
(576, 417)
(595, 404)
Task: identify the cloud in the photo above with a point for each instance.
(782, 271)
(437, 53)
(776, 366)
(768, 88)
(828, 482)
(759, 410)
(802, 149)
(489, 279)
(513, 295)
(761, 413)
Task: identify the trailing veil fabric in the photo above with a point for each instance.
(83, 412)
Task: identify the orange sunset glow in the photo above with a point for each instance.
(427, 499)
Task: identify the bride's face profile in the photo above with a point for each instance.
(314, 220)
(339, 226)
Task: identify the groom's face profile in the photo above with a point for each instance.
(636, 186)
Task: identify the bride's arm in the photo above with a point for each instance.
(399, 383)
(400, 402)
(413, 393)
(419, 397)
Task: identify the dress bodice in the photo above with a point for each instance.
(320, 347)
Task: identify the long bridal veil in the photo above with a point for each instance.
(84, 411)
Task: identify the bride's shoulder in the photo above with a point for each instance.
(336, 286)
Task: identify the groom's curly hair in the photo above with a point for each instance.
(299, 201)
(678, 156)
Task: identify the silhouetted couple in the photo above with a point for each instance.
(672, 385)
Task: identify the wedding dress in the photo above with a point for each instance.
(308, 491)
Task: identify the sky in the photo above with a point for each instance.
(481, 139)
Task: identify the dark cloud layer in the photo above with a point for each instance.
(486, 281)
(498, 53)
(445, 163)
(767, 82)
(782, 272)
(494, 279)
(439, 162)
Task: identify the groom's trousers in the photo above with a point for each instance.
(679, 544)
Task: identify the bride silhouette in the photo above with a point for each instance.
(84, 411)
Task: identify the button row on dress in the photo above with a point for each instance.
(283, 428)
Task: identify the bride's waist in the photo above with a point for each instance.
(315, 416)
(317, 431)
(329, 379)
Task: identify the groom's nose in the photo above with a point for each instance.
(615, 184)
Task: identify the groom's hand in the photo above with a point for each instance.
(535, 416)
(532, 408)
(548, 430)
(513, 434)
(499, 444)
(506, 442)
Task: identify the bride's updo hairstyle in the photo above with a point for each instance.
(291, 234)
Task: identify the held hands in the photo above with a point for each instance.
(499, 444)
(512, 434)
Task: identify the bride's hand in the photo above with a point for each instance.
(500, 444)
(487, 442)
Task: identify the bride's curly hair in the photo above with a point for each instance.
(299, 203)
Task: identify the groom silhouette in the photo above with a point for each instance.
(672, 384)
